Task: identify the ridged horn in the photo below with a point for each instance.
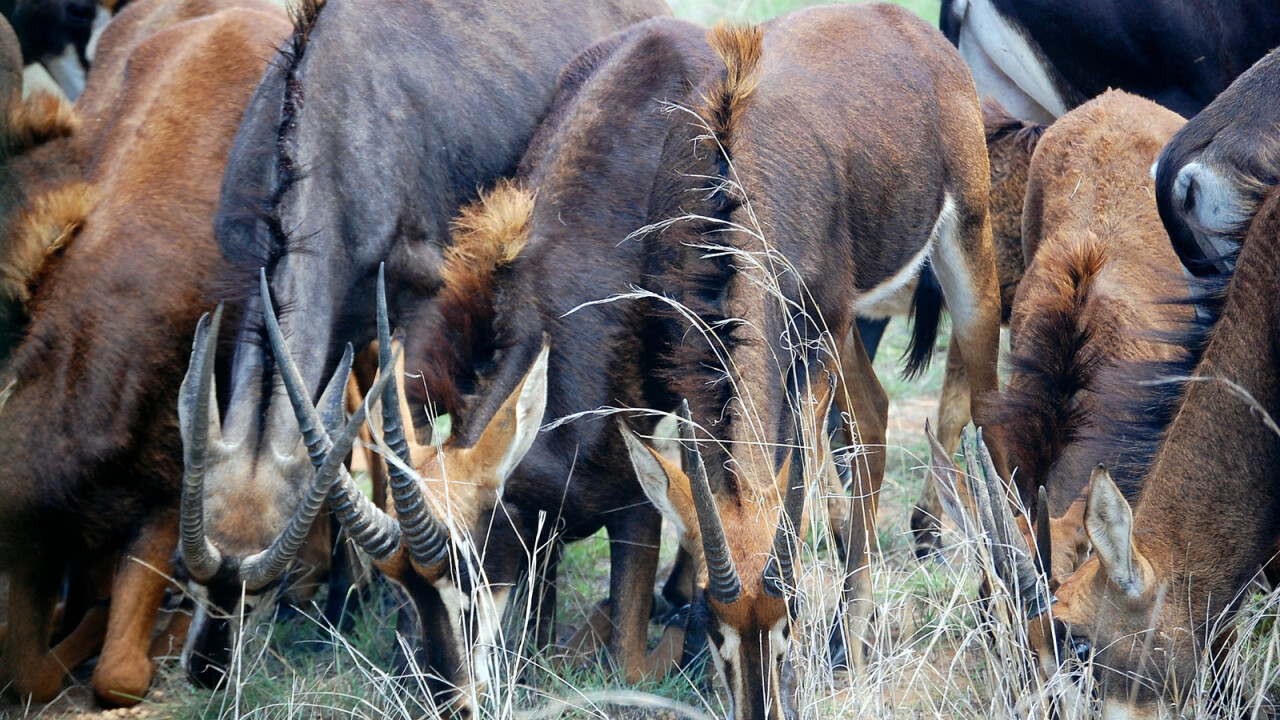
(724, 585)
(199, 425)
(1014, 560)
(261, 568)
(779, 572)
(424, 536)
(1044, 535)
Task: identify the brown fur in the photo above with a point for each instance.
(42, 232)
(1216, 465)
(94, 458)
(819, 154)
(1096, 288)
(1010, 143)
(36, 120)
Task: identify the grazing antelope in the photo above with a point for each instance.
(1145, 607)
(830, 229)
(1213, 174)
(519, 326)
(377, 124)
(1099, 291)
(1010, 143)
(108, 257)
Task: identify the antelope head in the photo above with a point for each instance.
(231, 574)
(445, 537)
(744, 544)
(1112, 618)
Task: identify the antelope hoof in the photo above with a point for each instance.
(124, 682)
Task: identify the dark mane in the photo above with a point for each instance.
(1138, 400)
(457, 338)
(257, 202)
(696, 276)
(1042, 414)
(1000, 125)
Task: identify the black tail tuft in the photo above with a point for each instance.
(926, 313)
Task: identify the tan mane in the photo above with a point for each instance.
(740, 48)
(42, 231)
(38, 119)
(488, 234)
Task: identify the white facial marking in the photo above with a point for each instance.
(726, 656)
(199, 619)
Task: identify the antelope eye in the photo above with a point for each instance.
(1081, 649)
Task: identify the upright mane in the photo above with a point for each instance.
(460, 335)
(42, 232)
(699, 276)
(260, 200)
(1040, 414)
(36, 120)
(1000, 125)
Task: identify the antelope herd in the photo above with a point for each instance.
(560, 266)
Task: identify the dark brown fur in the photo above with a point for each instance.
(90, 432)
(592, 166)
(793, 162)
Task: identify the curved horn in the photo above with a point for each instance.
(198, 421)
(367, 524)
(261, 568)
(779, 573)
(1018, 566)
(724, 584)
(1044, 535)
(424, 536)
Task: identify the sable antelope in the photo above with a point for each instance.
(1145, 606)
(1214, 173)
(105, 274)
(1099, 291)
(1041, 58)
(495, 347)
(321, 188)
(1010, 143)
(785, 131)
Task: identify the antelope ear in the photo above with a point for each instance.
(665, 484)
(951, 486)
(1108, 520)
(511, 432)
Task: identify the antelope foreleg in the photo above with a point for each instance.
(124, 671)
(633, 555)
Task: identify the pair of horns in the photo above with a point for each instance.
(202, 441)
(724, 583)
(1022, 571)
(426, 539)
